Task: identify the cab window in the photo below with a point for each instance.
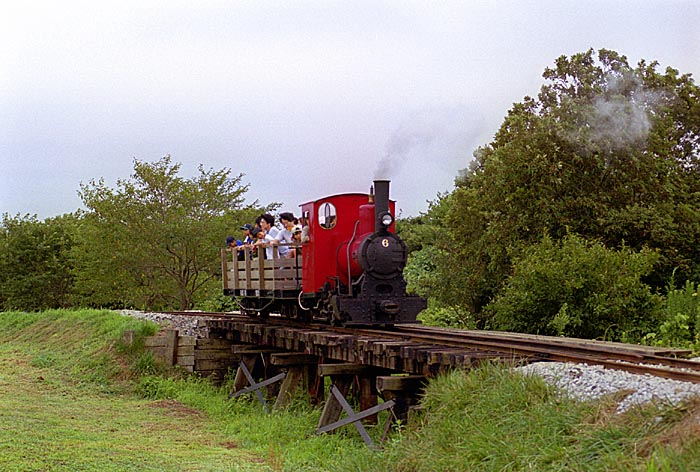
(327, 216)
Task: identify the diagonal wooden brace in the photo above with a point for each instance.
(255, 387)
(354, 417)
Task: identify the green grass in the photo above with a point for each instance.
(67, 404)
(74, 397)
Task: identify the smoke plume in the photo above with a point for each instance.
(439, 136)
(618, 119)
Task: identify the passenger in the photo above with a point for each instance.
(246, 243)
(285, 236)
(267, 223)
(235, 246)
(248, 239)
(305, 228)
(262, 240)
(296, 237)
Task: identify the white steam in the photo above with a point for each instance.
(439, 137)
(618, 119)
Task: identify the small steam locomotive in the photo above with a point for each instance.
(348, 271)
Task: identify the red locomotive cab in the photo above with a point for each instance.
(337, 226)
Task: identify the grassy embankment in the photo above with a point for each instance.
(73, 398)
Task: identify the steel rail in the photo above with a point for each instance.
(614, 351)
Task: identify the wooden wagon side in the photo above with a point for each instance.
(259, 276)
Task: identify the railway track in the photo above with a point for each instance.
(660, 362)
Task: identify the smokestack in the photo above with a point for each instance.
(381, 203)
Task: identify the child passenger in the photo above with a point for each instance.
(262, 240)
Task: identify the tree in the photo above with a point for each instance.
(35, 265)
(154, 241)
(605, 151)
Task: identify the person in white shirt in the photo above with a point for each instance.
(262, 240)
(267, 223)
(285, 236)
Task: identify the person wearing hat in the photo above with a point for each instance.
(248, 239)
(235, 245)
(296, 237)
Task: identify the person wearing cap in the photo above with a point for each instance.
(296, 237)
(235, 245)
(248, 239)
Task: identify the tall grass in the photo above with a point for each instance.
(492, 419)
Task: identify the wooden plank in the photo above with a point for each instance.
(286, 284)
(224, 269)
(368, 397)
(236, 281)
(341, 369)
(214, 354)
(248, 267)
(185, 351)
(332, 409)
(212, 364)
(170, 346)
(211, 343)
(253, 349)
(184, 361)
(158, 352)
(282, 273)
(297, 378)
(402, 382)
(283, 359)
(154, 341)
(183, 341)
(266, 274)
(261, 268)
(241, 380)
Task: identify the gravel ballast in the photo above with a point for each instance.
(590, 382)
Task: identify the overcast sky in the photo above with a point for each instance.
(305, 98)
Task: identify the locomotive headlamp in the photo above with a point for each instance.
(387, 219)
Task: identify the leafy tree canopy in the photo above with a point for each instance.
(35, 263)
(154, 240)
(606, 151)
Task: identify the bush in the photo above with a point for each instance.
(581, 289)
(681, 324)
(447, 316)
